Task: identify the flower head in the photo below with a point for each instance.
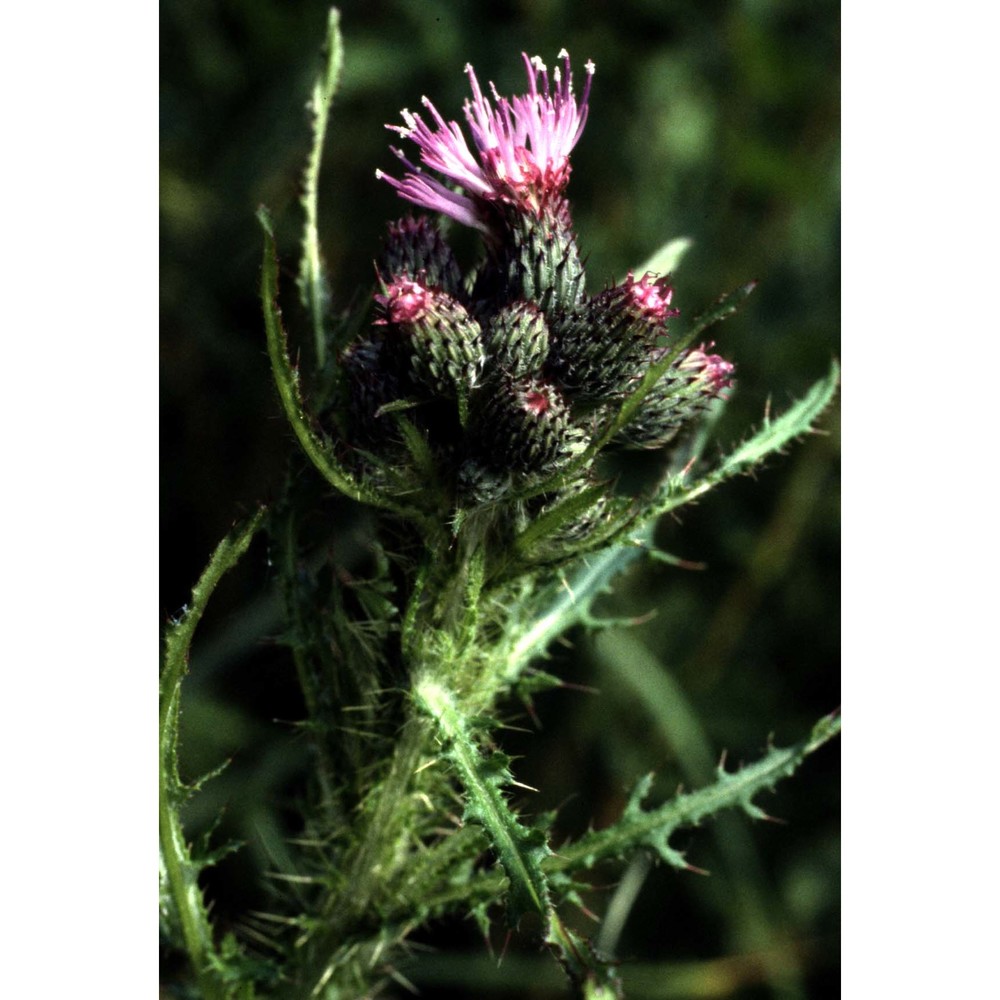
(711, 369)
(651, 296)
(521, 148)
(404, 301)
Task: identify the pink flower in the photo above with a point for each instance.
(536, 402)
(712, 369)
(521, 155)
(404, 301)
(651, 296)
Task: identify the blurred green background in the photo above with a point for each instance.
(713, 120)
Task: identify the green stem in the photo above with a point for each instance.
(386, 827)
(636, 827)
(519, 849)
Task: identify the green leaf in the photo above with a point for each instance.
(179, 871)
(723, 307)
(639, 827)
(314, 287)
(316, 446)
(561, 514)
(565, 602)
(667, 259)
(592, 977)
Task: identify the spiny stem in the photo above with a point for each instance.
(519, 849)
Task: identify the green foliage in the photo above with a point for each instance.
(484, 776)
(653, 828)
(314, 286)
(184, 916)
(410, 649)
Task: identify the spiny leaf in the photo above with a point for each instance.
(640, 827)
(559, 516)
(592, 977)
(724, 307)
(565, 602)
(179, 872)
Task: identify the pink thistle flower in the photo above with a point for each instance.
(404, 301)
(536, 402)
(521, 154)
(715, 371)
(651, 296)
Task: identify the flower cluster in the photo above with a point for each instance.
(512, 372)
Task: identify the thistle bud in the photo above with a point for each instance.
(526, 428)
(482, 483)
(415, 249)
(370, 385)
(679, 397)
(517, 340)
(432, 336)
(604, 345)
(540, 261)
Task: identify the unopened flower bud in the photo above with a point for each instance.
(599, 349)
(433, 336)
(415, 249)
(370, 385)
(539, 261)
(517, 339)
(678, 398)
(526, 428)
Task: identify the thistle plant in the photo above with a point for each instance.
(482, 416)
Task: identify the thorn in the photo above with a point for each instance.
(722, 760)
(643, 618)
(521, 784)
(585, 688)
(687, 468)
(569, 589)
(587, 912)
(530, 709)
(695, 870)
(402, 980)
(690, 564)
(430, 763)
(506, 943)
